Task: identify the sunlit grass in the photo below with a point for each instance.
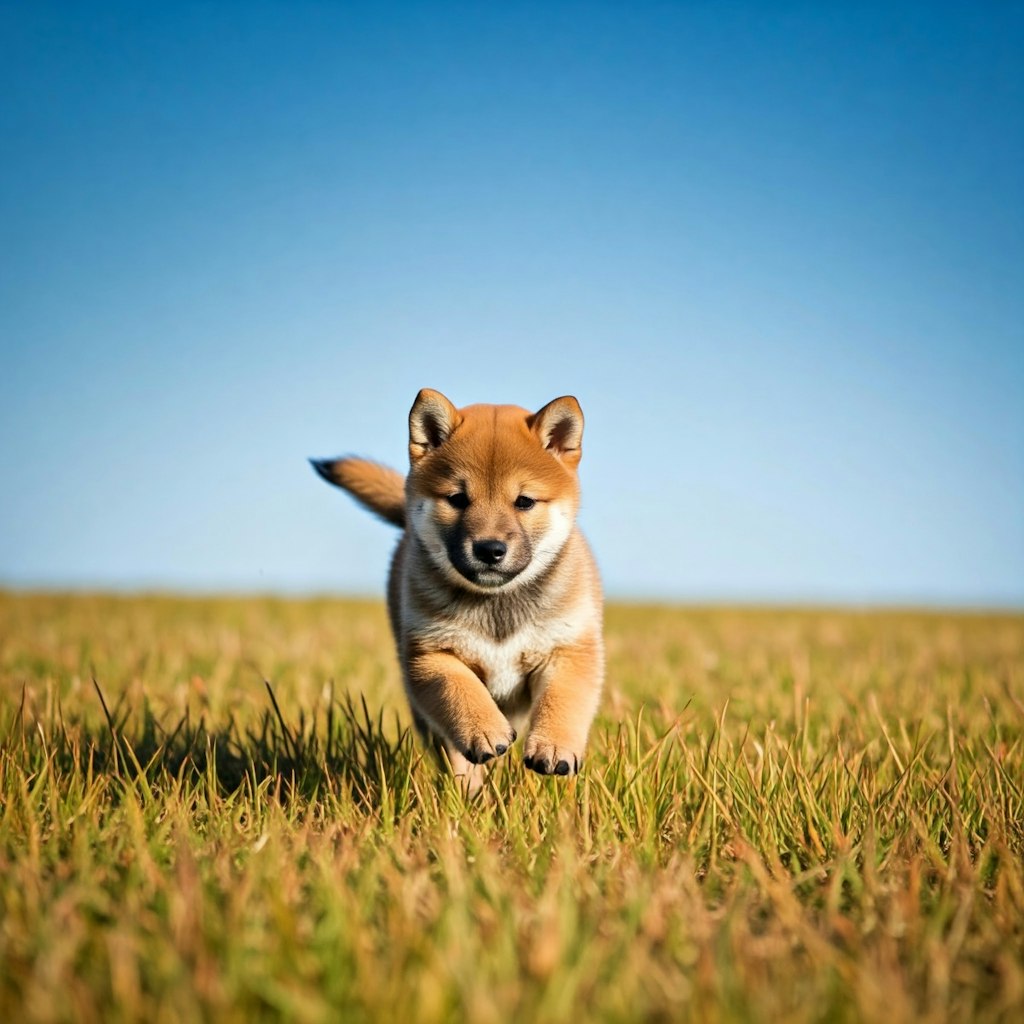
(784, 815)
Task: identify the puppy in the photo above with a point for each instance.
(493, 595)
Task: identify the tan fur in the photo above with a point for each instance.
(376, 487)
(491, 647)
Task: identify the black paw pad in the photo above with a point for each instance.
(500, 748)
(562, 768)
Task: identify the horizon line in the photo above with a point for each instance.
(683, 599)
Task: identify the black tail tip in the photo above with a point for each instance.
(323, 467)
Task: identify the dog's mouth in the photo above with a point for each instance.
(489, 578)
(486, 577)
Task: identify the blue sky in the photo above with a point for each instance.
(775, 251)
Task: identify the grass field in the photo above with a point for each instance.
(785, 815)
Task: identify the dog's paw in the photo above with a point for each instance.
(488, 743)
(548, 757)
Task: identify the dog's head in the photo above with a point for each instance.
(492, 489)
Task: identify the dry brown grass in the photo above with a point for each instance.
(785, 815)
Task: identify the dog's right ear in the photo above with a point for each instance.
(431, 422)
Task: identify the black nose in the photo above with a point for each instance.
(489, 551)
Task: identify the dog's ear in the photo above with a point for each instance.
(431, 422)
(559, 426)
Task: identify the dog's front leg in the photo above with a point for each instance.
(568, 691)
(455, 702)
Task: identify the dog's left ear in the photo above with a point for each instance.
(559, 425)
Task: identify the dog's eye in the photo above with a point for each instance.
(525, 503)
(459, 500)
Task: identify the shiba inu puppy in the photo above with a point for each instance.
(493, 595)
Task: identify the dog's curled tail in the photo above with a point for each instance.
(376, 487)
